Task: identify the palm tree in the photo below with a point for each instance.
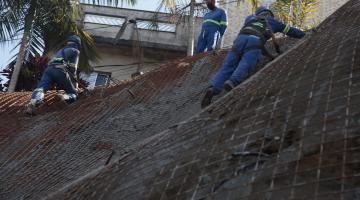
(33, 19)
(254, 4)
(296, 12)
(43, 25)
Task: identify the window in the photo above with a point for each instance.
(101, 19)
(95, 79)
(159, 26)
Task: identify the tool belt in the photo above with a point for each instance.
(253, 31)
(241, 53)
(260, 31)
(256, 47)
(65, 68)
(60, 66)
(257, 33)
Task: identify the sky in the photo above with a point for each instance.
(5, 53)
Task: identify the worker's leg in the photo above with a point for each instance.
(44, 84)
(248, 61)
(246, 66)
(227, 68)
(63, 79)
(212, 39)
(201, 43)
(229, 64)
(70, 90)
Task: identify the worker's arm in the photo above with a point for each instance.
(223, 23)
(279, 27)
(72, 58)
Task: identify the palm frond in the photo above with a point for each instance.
(296, 13)
(87, 51)
(9, 22)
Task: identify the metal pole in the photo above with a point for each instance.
(191, 36)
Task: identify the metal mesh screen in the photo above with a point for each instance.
(106, 20)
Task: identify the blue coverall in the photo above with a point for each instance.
(213, 28)
(62, 77)
(238, 67)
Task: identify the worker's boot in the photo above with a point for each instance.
(228, 85)
(66, 98)
(62, 98)
(32, 107)
(207, 97)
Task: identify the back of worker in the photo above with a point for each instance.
(247, 49)
(70, 54)
(275, 25)
(62, 71)
(213, 28)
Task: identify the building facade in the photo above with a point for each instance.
(236, 15)
(166, 42)
(327, 7)
(129, 40)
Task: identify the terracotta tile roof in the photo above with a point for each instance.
(60, 144)
(290, 132)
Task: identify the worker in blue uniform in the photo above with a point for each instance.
(247, 49)
(62, 71)
(213, 28)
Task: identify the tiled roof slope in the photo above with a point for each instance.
(41, 153)
(291, 132)
(60, 144)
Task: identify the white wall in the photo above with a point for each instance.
(119, 60)
(237, 14)
(157, 39)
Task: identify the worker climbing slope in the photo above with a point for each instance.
(62, 71)
(248, 48)
(213, 28)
